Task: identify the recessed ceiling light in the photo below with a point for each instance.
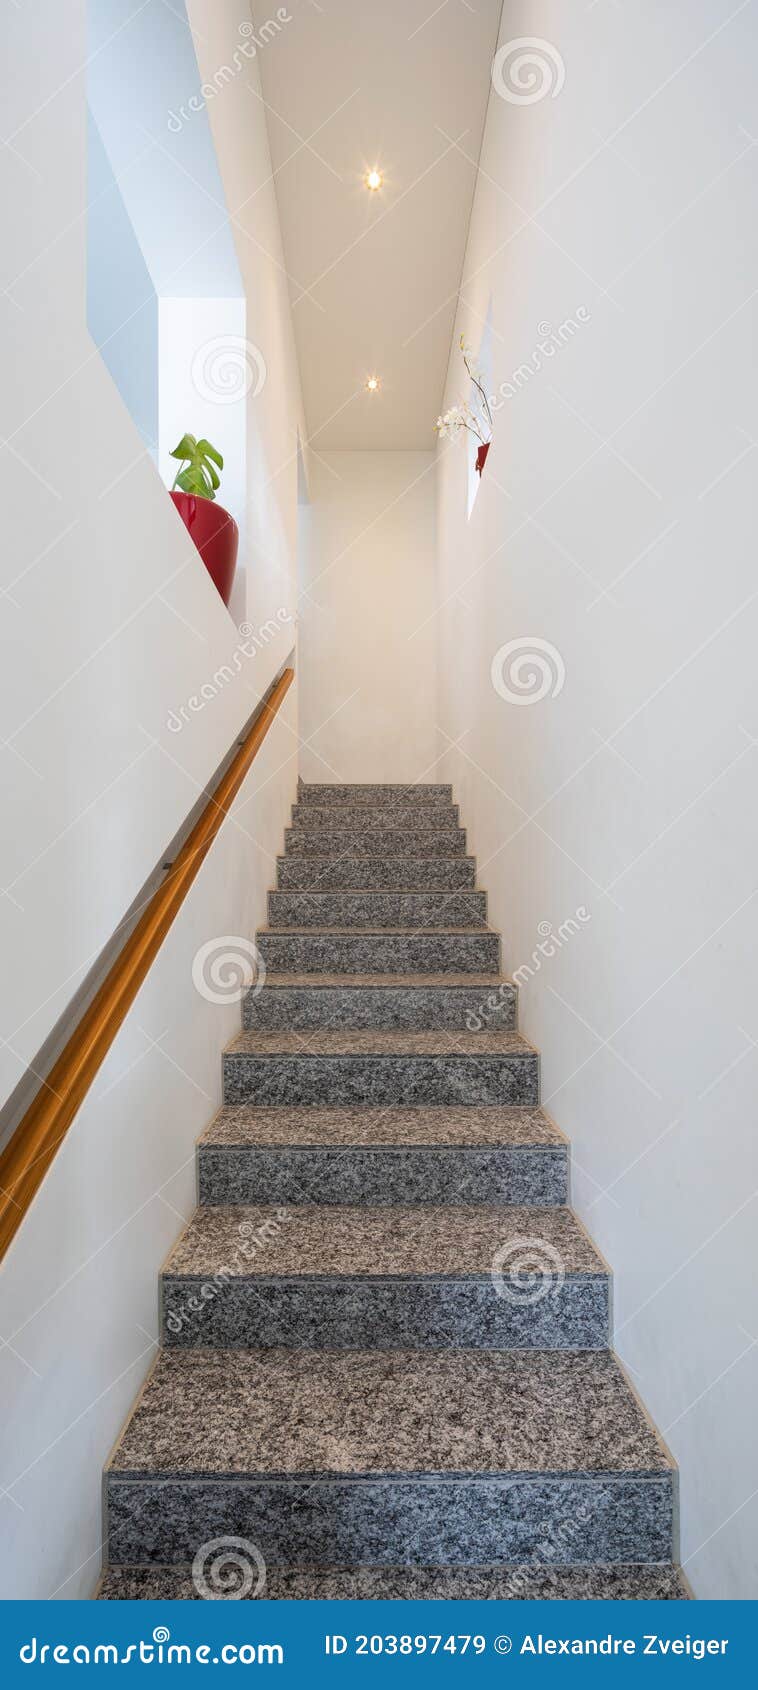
(373, 384)
(373, 180)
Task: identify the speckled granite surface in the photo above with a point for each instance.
(389, 1155)
(421, 792)
(358, 1174)
(384, 951)
(406, 1240)
(375, 1067)
(320, 1413)
(367, 842)
(391, 1521)
(378, 909)
(387, 1457)
(350, 1041)
(392, 1278)
(396, 1003)
(442, 874)
(246, 1124)
(635, 1583)
(417, 816)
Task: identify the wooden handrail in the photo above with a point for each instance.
(28, 1155)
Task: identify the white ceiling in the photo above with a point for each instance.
(375, 83)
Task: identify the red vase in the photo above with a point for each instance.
(481, 456)
(216, 536)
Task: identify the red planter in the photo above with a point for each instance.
(216, 536)
(481, 456)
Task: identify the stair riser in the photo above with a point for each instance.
(230, 1175)
(396, 1521)
(342, 1080)
(409, 1314)
(439, 818)
(324, 796)
(407, 1008)
(377, 953)
(370, 842)
(377, 909)
(319, 874)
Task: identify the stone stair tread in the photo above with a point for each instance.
(391, 792)
(376, 932)
(351, 872)
(299, 841)
(345, 1041)
(393, 982)
(244, 1124)
(624, 1582)
(355, 1414)
(413, 1242)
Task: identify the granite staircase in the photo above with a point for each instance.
(385, 1348)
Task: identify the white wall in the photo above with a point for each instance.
(109, 621)
(613, 522)
(80, 1282)
(109, 625)
(367, 695)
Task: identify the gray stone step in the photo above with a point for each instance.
(415, 1277)
(390, 1458)
(346, 1067)
(377, 909)
(326, 874)
(385, 841)
(656, 1582)
(402, 950)
(421, 1001)
(325, 796)
(396, 1155)
(434, 818)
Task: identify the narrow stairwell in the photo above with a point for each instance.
(385, 1348)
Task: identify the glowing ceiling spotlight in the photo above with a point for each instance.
(374, 180)
(373, 384)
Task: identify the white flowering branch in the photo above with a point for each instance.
(463, 416)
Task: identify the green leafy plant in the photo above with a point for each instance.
(201, 460)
